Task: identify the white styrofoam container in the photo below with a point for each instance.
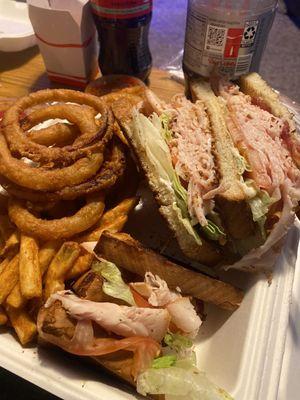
(16, 32)
(289, 385)
(241, 351)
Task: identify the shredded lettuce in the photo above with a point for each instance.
(241, 162)
(213, 231)
(176, 376)
(181, 195)
(114, 285)
(164, 361)
(177, 342)
(179, 382)
(260, 205)
(166, 131)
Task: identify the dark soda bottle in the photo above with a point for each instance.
(123, 27)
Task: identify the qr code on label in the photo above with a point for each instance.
(215, 38)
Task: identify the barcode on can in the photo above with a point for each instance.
(215, 38)
(243, 64)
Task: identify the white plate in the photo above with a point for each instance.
(16, 32)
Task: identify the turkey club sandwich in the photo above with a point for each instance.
(140, 331)
(223, 169)
(265, 140)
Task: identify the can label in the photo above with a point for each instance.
(231, 46)
(121, 9)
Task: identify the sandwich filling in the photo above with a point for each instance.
(271, 179)
(191, 144)
(263, 140)
(157, 330)
(179, 144)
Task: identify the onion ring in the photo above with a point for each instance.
(46, 112)
(59, 134)
(82, 117)
(106, 177)
(21, 146)
(46, 180)
(62, 228)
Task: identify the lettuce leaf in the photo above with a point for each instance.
(166, 131)
(179, 383)
(176, 376)
(114, 285)
(177, 342)
(150, 134)
(181, 195)
(164, 361)
(241, 162)
(260, 205)
(213, 231)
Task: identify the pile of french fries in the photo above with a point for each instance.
(31, 271)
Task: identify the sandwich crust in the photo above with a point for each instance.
(129, 254)
(266, 97)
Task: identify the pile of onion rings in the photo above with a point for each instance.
(77, 158)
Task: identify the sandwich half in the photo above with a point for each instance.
(264, 138)
(194, 171)
(141, 331)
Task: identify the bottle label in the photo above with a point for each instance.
(121, 9)
(230, 45)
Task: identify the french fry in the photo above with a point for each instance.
(4, 263)
(46, 254)
(24, 326)
(11, 244)
(15, 298)
(82, 264)
(59, 267)
(3, 317)
(121, 209)
(29, 270)
(9, 277)
(113, 220)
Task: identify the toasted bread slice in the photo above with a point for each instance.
(266, 97)
(234, 209)
(263, 95)
(206, 253)
(128, 253)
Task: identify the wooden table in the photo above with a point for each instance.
(24, 72)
